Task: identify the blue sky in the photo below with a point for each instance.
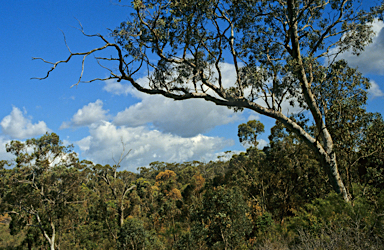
(97, 116)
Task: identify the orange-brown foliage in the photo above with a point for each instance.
(166, 175)
(199, 180)
(175, 194)
(5, 219)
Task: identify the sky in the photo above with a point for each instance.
(98, 118)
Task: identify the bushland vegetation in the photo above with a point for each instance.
(272, 198)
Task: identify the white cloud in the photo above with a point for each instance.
(375, 90)
(253, 117)
(286, 108)
(185, 118)
(371, 60)
(226, 156)
(228, 73)
(262, 143)
(117, 88)
(16, 126)
(4, 155)
(104, 143)
(89, 114)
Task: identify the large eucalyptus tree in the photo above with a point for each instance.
(43, 187)
(275, 48)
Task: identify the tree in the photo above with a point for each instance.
(292, 173)
(132, 235)
(43, 186)
(113, 190)
(223, 217)
(368, 166)
(274, 47)
(119, 185)
(167, 198)
(247, 132)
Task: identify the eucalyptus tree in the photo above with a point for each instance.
(119, 185)
(342, 97)
(247, 132)
(43, 187)
(114, 188)
(272, 46)
(222, 220)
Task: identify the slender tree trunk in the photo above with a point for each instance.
(330, 164)
(325, 152)
(121, 216)
(51, 240)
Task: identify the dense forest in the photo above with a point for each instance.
(275, 198)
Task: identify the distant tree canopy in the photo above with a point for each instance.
(277, 50)
(278, 197)
(247, 132)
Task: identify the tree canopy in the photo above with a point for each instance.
(275, 198)
(248, 132)
(282, 52)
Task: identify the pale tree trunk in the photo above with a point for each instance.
(324, 151)
(328, 161)
(51, 240)
(121, 215)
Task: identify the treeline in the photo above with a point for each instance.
(275, 198)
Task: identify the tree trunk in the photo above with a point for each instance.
(121, 216)
(325, 152)
(51, 240)
(330, 164)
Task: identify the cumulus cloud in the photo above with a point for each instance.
(184, 118)
(105, 143)
(89, 114)
(228, 73)
(4, 155)
(253, 117)
(117, 88)
(370, 60)
(17, 126)
(262, 143)
(375, 90)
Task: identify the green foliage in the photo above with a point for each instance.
(280, 178)
(9, 241)
(293, 173)
(281, 51)
(132, 235)
(369, 167)
(224, 218)
(275, 198)
(338, 223)
(264, 222)
(42, 188)
(248, 132)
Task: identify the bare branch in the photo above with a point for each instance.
(123, 155)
